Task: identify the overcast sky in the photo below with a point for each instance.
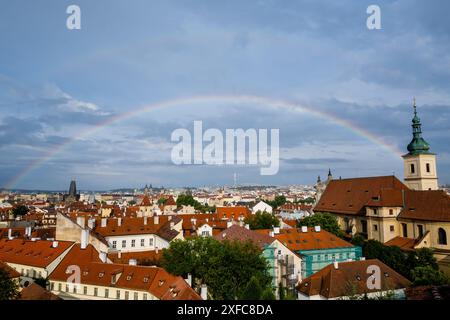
(56, 84)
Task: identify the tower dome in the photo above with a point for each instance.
(418, 145)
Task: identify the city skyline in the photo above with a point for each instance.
(77, 104)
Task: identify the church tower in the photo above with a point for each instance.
(419, 163)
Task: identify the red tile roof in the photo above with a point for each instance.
(135, 226)
(39, 253)
(36, 292)
(350, 278)
(406, 244)
(239, 233)
(189, 227)
(288, 207)
(146, 201)
(233, 212)
(170, 202)
(15, 232)
(155, 280)
(350, 196)
(141, 256)
(297, 240)
(11, 271)
(426, 206)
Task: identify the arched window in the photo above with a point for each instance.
(442, 236)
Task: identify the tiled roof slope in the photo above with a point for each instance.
(296, 240)
(12, 273)
(155, 280)
(38, 253)
(350, 278)
(349, 196)
(426, 205)
(239, 233)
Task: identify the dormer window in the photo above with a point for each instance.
(145, 279)
(129, 277)
(101, 274)
(161, 282)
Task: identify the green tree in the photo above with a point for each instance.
(358, 240)
(20, 210)
(253, 290)
(423, 257)
(403, 263)
(326, 221)
(188, 200)
(308, 200)
(9, 289)
(161, 201)
(392, 256)
(427, 275)
(268, 294)
(277, 202)
(281, 291)
(262, 220)
(225, 267)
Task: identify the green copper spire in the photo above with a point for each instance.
(417, 145)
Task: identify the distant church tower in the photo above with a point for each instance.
(419, 164)
(72, 196)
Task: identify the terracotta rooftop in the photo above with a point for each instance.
(295, 206)
(11, 271)
(146, 202)
(152, 279)
(38, 253)
(426, 205)
(141, 256)
(15, 232)
(233, 212)
(350, 278)
(200, 219)
(135, 226)
(296, 240)
(36, 292)
(350, 196)
(239, 233)
(406, 244)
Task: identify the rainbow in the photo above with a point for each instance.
(232, 99)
